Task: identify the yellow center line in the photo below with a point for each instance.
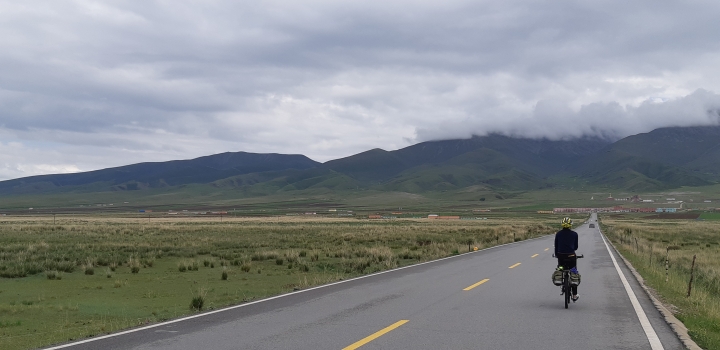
(546, 249)
(375, 335)
(514, 266)
(534, 255)
(476, 284)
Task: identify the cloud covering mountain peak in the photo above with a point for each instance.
(93, 84)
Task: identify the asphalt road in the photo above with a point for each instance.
(435, 306)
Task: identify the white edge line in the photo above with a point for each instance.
(655, 343)
(274, 297)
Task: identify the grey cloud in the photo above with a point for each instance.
(110, 83)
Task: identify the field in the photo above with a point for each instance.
(87, 275)
(647, 243)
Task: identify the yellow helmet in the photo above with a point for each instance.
(567, 223)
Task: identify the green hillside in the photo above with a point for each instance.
(488, 168)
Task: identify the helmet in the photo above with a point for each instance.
(567, 223)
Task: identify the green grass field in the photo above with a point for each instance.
(710, 216)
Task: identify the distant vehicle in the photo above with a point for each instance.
(592, 225)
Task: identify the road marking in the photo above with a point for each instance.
(534, 255)
(476, 284)
(229, 308)
(375, 335)
(655, 343)
(514, 266)
(546, 249)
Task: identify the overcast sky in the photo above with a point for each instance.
(87, 85)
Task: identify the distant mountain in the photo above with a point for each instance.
(160, 174)
(695, 149)
(663, 158)
(540, 157)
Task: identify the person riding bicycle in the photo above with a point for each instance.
(566, 243)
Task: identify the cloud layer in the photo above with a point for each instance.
(92, 84)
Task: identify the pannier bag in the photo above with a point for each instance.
(557, 277)
(574, 279)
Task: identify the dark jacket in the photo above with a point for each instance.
(566, 241)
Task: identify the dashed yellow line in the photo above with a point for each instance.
(375, 335)
(534, 255)
(546, 249)
(514, 266)
(476, 284)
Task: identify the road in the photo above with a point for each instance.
(499, 298)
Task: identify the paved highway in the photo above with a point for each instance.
(499, 298)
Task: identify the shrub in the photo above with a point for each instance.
(279, 261)
(135, 269)
(198, 300)
(224, 275)
(182, 267)
(108, 273)
(206, 262)
(197, 303)
(89, 270)
(51, 275)
(245, 267)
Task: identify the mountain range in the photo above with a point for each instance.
(660, 159)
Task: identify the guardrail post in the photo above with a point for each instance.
(667, 262)
(692, 274)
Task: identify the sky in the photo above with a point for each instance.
(86, 85)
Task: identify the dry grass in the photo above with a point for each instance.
(31, 246)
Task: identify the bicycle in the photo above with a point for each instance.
(566, 286)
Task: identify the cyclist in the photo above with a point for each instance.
(566, 243)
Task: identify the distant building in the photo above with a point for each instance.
(666, 210)
(375, 217)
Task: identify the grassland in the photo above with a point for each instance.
(647, 243)
(84, 276)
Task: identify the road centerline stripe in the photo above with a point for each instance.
(476, 284)
(652, 337)
(375, 335)
(546, 249)
(514, 266)
(534, 255)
